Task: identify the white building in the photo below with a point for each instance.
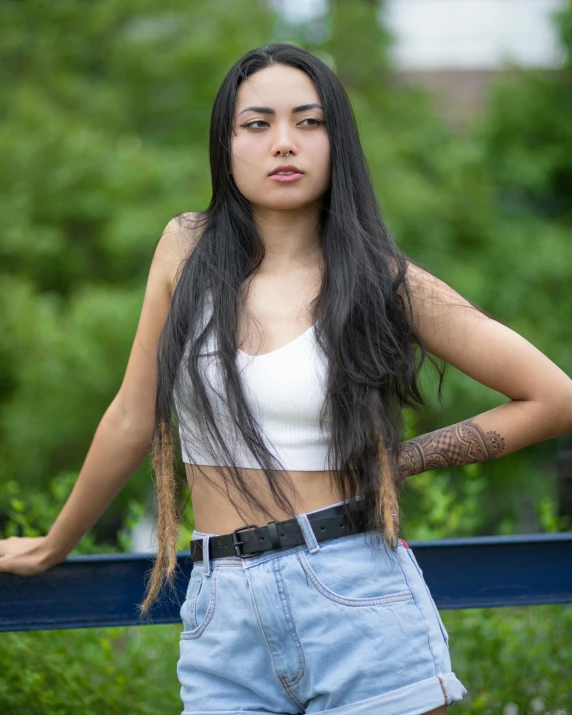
(456, 47)
(472, 34)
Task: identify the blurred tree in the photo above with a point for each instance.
(104, 138)
(104, 111)
(489, 213)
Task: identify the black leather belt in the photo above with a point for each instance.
(252, 539)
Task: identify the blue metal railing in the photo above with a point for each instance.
(90, 591)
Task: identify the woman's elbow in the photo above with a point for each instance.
(135, 425)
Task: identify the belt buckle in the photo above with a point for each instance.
(237, 543)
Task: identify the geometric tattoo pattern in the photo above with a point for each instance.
(463, 443)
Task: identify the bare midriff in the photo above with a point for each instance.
(214, 513)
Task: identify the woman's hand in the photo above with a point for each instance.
(26, 556)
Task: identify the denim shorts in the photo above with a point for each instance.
(335, 626)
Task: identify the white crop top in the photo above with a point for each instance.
(285, 390)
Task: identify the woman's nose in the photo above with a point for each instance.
(283, 141)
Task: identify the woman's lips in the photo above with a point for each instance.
(286, 177)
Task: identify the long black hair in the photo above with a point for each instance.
(362, 314)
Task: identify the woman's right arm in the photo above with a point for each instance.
(123, 437)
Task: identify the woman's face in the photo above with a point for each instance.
(278, 109)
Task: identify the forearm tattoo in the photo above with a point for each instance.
(463, 443)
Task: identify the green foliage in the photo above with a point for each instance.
(31, 513)
(518, 656)
(103, 135)
(112, 671)
(438, 505)
(564, 23)
(503, 656)
(104, 138)
(549, 519)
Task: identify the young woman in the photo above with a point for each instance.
(286, 330)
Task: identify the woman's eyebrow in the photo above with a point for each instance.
(269, 110)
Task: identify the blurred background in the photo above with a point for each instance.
(465, 113)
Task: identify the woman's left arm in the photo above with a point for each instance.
(540, 393)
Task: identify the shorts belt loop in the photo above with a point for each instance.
(206, 555)
(308, 533)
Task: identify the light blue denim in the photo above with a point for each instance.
(336, 626)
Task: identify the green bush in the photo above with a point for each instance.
(519, 656)
(503, 656)
(103, 671)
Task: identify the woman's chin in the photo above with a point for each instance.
(283, 203)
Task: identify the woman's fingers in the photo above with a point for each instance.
(20, 565)
(22, 556)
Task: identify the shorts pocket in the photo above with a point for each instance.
(347, 571)
(199, 605)
(413, 560)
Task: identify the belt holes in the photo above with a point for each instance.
(322, 528)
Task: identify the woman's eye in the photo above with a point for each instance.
(314, 119)
(256, 121)
(317, 123)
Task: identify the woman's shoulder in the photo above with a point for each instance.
(178, 240)
(181, 234)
